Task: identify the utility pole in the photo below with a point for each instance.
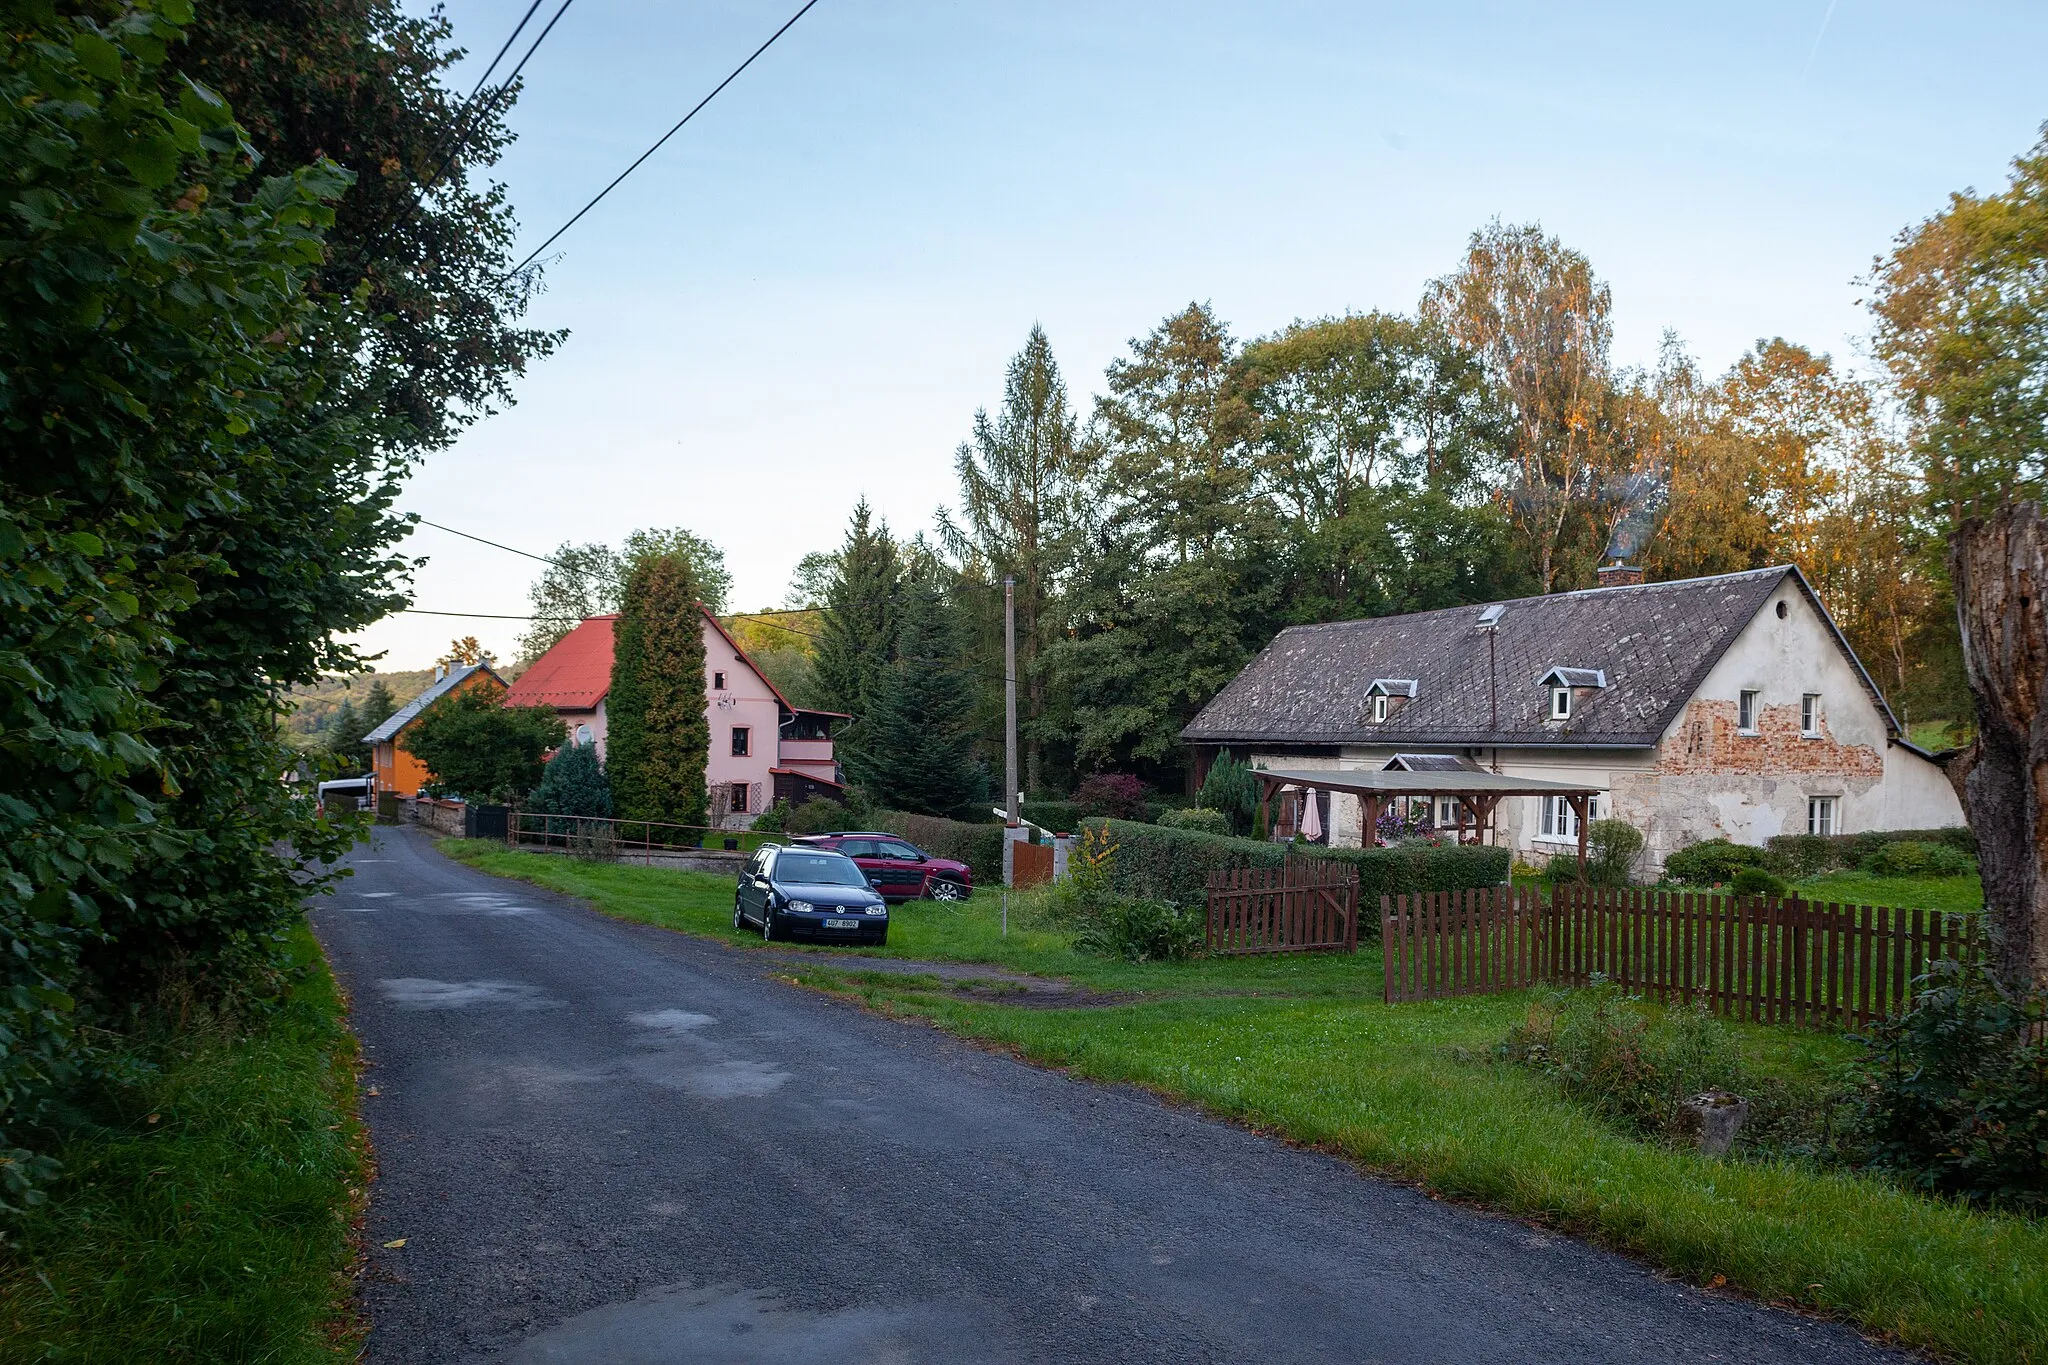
(1012, 814)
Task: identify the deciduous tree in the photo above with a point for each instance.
(481, 748)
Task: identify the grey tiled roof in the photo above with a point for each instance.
(400, 718)
(1653, 642)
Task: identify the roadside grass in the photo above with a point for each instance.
(206, 1209)
(1305, 1049)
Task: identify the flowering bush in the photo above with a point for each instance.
(1120, 796)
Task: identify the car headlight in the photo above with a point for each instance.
(878, 909)
(804, 907)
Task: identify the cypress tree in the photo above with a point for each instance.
(659, 738)
(923, 751)
(857, 640)
(378, 707)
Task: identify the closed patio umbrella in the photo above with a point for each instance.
(1311, 818)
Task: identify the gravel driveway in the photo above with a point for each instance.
(603, 1142)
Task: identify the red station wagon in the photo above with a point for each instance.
(898, 869)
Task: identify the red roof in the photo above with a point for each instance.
(574, 675)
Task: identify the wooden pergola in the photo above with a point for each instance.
(1477, 793)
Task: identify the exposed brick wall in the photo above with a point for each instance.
(1707, 740)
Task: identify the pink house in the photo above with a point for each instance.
(763, 749)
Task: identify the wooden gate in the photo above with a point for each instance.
(1307, 905)
(1030, 864)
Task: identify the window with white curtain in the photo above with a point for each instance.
(1820, 815)
(1560, 821)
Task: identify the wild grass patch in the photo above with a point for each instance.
(206, 1207)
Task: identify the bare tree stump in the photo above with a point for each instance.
(2000, 568)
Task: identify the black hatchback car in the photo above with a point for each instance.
(809, 893)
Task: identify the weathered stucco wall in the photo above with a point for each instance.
(1708, 778)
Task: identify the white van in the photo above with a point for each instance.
(341, 791)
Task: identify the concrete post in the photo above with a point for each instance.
(1062, 855)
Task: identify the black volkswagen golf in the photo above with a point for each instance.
(809, 893)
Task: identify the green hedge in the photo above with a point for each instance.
(1061, 817)
(1174, 864)
(979, 846)
(1805, 855)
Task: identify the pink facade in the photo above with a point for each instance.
(762, 747)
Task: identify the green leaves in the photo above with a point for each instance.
(98, 56)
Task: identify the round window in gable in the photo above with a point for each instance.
(1782, 610)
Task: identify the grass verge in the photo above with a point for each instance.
(207, 1207)
(1304, 1048)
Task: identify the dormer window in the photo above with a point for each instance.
(1569, 687)
(1389, 695)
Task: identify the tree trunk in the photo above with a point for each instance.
(2000, 568)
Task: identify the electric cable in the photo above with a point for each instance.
(535, 253)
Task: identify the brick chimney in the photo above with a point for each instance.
(1618, 575)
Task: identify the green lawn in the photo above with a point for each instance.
(1303, 1047)
(206, 1208)
(1926, 893)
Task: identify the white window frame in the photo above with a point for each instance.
(1379, 707)
(1560, 823)
(1809, 715)
(1823, 815)
(1748, 709)
(1560, 703)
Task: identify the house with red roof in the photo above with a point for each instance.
(763, 748)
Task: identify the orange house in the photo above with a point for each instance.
(392, 769)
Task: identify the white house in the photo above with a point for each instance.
(1727, 707)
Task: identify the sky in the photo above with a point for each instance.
(804, 297)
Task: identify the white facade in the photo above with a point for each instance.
(1781, 736)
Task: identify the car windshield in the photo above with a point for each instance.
(818, 869)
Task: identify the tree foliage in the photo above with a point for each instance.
(658, 740)
(583, 581)
(480, 748)
(922, 758)
(574, 783)
(177, 400)
(857, 644)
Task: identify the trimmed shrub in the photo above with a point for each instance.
(1117, 796)
(816, 816)
(1612, 847)
(980, 846)
(1061, 817)
(1913, 858)
(1196, 818)
(1802, 855)
(1160, 862)
(1806, 855)
(1710, 861)
(774, 820)
(1755, 881)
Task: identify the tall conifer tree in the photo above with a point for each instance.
(924, 743)
(659, 740)
(858, 641)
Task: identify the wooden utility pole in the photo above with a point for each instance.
(1999, 565)
(1010, 700)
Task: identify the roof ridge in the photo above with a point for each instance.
(1664, 583)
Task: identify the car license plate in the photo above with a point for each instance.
(842, 924)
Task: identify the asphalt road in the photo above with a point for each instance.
(602, 1142)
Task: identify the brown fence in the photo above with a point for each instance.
(1304, 906)
(1759, 958)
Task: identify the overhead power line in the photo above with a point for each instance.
(577, 217)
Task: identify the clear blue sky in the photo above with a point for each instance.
(805, 296)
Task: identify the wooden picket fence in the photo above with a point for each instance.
(1307, 905)
(1759, 958)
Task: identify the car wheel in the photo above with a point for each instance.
(944, 889)
(767, 925)
(739, 914)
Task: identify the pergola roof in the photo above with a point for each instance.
(1384, 782)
